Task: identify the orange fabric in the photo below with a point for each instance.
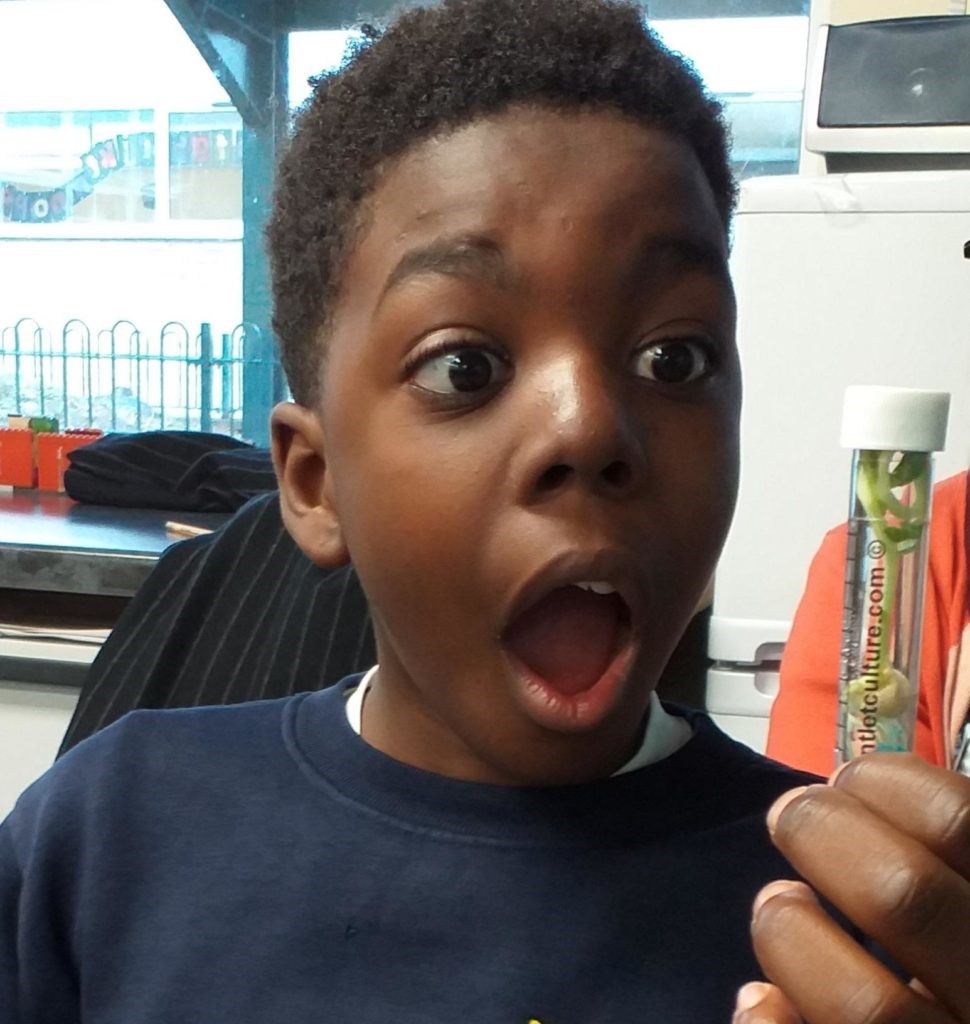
(804, 715)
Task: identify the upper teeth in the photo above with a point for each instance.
(596, 586)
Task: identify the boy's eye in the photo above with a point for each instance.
(462, 370)
(674, 360)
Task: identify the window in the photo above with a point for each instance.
(129, 248)
(121, 230)
(310, 54)
(756, 66)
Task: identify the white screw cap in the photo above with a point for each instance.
(894, 419)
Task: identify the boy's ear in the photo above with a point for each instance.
(306, 495)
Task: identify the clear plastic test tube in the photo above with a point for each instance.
(892, 432)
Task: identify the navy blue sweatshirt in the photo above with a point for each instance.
(261, 863)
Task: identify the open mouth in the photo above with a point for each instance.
(569, 639)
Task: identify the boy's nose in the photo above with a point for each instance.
(583, 433)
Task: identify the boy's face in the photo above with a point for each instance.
(531, 383)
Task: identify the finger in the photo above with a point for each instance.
(886, 882)
(928, 803)
(759, 1003)
(825, 975)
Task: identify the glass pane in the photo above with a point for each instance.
(756, 66)
(312, 53)
(205, 166)
(56, 166)
(121, 227)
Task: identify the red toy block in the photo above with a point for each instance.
(17, 457)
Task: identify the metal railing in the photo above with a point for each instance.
(121, 378)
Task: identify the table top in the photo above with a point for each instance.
(50, 542)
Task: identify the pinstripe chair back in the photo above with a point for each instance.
(237, 615)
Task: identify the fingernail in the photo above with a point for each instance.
(838, 771)
(774, 812)
(770, 891)
(749, 996)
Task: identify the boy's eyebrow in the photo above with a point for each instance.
(475, 256)
(664, 255)
(462, 255)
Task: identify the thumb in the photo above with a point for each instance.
(761, 1003)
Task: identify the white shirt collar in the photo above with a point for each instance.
(664, 734)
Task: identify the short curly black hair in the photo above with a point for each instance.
(433, 70)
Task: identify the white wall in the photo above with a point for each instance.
(33, 719)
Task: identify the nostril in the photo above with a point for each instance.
(554, 477)
(617, 474)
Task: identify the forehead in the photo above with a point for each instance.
(599, 162)
(584, 190)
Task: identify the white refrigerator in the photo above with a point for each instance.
(841, 279)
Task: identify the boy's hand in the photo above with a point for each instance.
(887, 841)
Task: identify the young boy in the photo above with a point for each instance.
(500, 247)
